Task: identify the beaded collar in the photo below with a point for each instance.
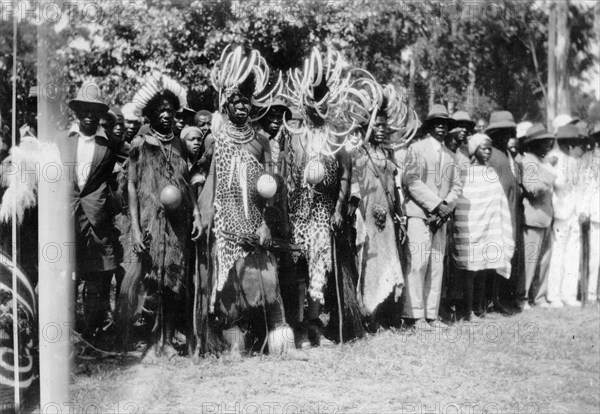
(239, 134)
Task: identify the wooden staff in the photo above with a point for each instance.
(337, 290)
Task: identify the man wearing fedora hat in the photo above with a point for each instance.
(563, 275)
(537, 186)
(433, 185)
(86, 147)
(463, 127)
(501, 129)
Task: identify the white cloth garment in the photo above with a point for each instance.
(594, 261)
(563, 277)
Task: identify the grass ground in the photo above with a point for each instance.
(541, 361)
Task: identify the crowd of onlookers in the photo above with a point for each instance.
(493, 216)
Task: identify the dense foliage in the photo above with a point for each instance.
(120, 42)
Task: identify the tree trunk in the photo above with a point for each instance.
(551, 107)
(471, 88)
(563, 42)
(412, 101)
(431, 92)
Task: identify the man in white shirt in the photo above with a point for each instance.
(90, 158)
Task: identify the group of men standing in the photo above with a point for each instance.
(238, 225)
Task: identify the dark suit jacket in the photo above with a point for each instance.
(93, 205)
(95, 196)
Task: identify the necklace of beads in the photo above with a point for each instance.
(239, 135)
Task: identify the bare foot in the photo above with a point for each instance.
(152, 355)
(168, 351)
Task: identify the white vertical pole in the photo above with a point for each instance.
(56, 259)
(15, 313)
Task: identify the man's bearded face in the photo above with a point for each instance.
(238, 109)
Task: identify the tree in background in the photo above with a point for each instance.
(478, 56)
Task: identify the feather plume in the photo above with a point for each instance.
(21, 174)
(155, 84)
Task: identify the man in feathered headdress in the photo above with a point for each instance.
(379, 223)
(163, 211)
(319, 174)
(245, 275)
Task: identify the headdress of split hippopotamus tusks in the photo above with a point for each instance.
(248, 75)
(366, 98)
(320, 87)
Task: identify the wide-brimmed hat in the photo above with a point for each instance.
(562, 120)
(500, 120)
(568, 131)
(463, 118)
(437, 113)
(536, 132)
(88, 96)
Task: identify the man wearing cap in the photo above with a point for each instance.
(86, 148)
(132, 122)
(183, 117)
(456, 140)
(501, 129)
(563, 276)
(537, 187)
(433, 185)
